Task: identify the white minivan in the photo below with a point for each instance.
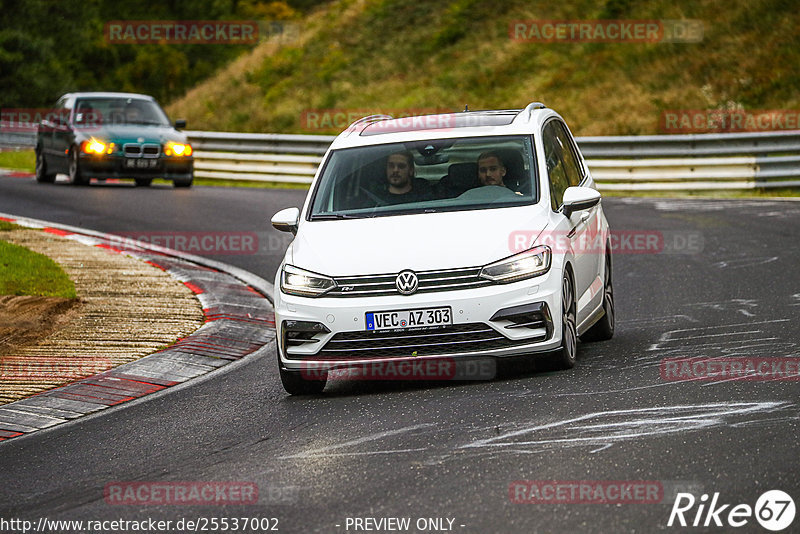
(442, 238)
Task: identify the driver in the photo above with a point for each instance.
(401, 186)
(491, 169)
(133, 113)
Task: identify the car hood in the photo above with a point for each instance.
(420, 242)
(132, 133)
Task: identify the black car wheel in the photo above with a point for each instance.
(42, 175)
(566, 355)
(183, 183)
(603, 329)
(143, 182)
(75, 175)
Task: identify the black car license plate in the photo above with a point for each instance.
(141, 163)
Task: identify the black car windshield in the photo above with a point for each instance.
(97, 110)
(426, 176)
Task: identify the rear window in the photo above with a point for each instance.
(426, 176)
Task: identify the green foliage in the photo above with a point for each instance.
(50, 47)
(386, 55)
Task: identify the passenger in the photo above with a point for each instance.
(491, 169)
(401, 185)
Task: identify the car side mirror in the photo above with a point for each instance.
(579, 198)
(180, 124)
(287, 220)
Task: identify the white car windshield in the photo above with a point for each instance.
(426, 176)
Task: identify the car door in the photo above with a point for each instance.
(579, 231)
(62, 135)
(44, 135)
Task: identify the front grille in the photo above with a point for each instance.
(384, 284)
(451, 339)
(132, 150)
(137, 150)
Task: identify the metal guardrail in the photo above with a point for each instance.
(621, 163)
(16, 140)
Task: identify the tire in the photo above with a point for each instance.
(603, 329)
(294, 383)
(42, 176)
(566, 356)
(143, 182)
(75, 175)
(183, 183)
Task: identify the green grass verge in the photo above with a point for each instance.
(24, 272)
(6, 226)
(22, 160)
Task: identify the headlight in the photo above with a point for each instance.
(533, 262)
(177, 149)
(296, 281)
(93, 146)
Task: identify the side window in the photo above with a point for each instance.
(556, 170)
(572, 164)
(60, 112)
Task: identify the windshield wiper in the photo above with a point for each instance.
(334, 216)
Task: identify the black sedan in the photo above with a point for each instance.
(112, 135)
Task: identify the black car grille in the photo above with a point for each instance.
(447, 340)
(137, 150)
(384, 284)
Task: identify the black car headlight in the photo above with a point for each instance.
(96, 147)
(177, 149)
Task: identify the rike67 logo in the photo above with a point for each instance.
(774, 510)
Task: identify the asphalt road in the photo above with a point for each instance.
(727, 287)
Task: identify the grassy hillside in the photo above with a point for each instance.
(405, 54)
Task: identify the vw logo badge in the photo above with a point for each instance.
(407, 282)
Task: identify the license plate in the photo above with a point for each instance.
(402, 319)
(141, 163)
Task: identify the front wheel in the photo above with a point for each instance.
(42, 175)
(183, 183)
(75, 175)
(566, 356)
(294, 383)
(143, 182)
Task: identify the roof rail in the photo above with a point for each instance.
(369, 119)
(530, 108)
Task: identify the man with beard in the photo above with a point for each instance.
(401, 185)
